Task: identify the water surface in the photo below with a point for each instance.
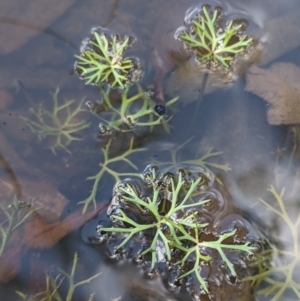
(230, 120)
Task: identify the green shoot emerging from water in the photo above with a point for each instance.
(128, 113)
(53, 284)
(102, 62)
(105, 168)
(212, 43)
(176, 229)
(60, 124)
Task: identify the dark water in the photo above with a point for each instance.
(230, 120)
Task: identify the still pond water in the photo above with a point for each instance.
(247, 129)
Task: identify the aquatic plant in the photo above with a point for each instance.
(131, 112)
(53, 284)
(176, 229)
(202, 162)
(102, 61)
(12, 217)
(278, 277)
(105, 168)
(60, 124)
(193, 165)
(212, 43)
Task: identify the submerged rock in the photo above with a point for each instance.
(279, 87)
(23, 22)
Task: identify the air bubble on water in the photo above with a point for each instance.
(104, 129)
(124, 186)
(129, 122)
(89, 104)
(150, 173)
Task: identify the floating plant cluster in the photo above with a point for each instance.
(210, 41)
(161, 224)
(169, 218)
(102, 61)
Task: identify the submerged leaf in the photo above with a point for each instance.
(279, 86)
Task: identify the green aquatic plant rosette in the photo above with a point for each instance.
(177, 229)
(102, 61)
(212, 43)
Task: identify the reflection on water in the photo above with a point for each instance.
(42, 251)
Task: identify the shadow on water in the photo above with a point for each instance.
(53, 248)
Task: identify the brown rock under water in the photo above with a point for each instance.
(21, 22)
(278, 86)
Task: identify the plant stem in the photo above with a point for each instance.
(201, 95)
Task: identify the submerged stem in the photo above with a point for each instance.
(201, 95)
